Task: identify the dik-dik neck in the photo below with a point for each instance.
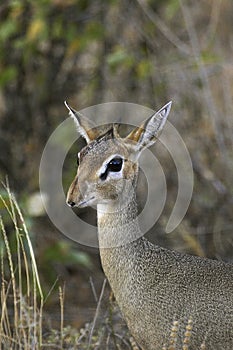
(118, 223)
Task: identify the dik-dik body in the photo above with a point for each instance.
(165, 297)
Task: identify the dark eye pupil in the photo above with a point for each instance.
(115, 165)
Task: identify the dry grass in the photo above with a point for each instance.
(21, 292)
(23, 302)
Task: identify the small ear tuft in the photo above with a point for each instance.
(84, 125)
(148, 132)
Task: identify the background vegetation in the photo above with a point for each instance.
(89, 52)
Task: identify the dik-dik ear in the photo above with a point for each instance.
(85, 127)
(148, 132)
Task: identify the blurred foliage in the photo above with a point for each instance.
(143, 51)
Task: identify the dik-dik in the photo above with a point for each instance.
(156, 288)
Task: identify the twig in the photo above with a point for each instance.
(93, 289)
(96, 313)
(209, 100)
(164, 29)
(213, 23)
(61, 298)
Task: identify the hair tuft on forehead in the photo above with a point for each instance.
(108, 135)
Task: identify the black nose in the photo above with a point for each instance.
(71, 204)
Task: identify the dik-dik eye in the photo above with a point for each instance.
(113, 166)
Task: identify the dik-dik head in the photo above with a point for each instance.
(108, 164)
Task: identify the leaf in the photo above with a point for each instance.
(7, 29)
(81, 258)
(62, 3)
(209, 57)
(58, 30)
(73, 47)
(63, 252)
(17, 8)
(144, 69)
(95, 30)
(119, 57)
(35, 29)
(7, 75)
(171, 9)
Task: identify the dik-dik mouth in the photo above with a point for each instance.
(86, 202)
(82, 204)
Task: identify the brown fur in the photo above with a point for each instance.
(154, 287)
